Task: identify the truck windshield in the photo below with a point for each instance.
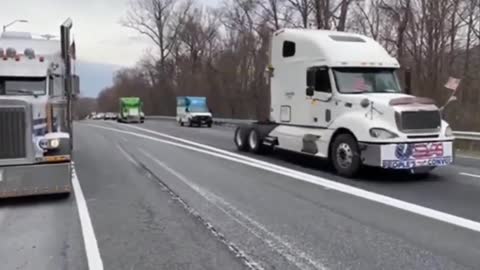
(22, 86)
(366, 80)
(198, 109)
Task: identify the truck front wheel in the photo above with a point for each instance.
(345, 155)
(241, 138)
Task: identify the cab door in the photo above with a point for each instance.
(319, 96)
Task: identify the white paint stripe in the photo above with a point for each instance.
(90, 241)
(470, 174)
(274, 241)
(382, 199)
(127, 156)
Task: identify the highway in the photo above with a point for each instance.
(161, 196)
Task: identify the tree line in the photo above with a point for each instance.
(222, 52)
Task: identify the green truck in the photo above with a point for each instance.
(131, 110)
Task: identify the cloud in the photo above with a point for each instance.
(99, 36)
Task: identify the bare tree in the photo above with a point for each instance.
(155, 19)
(304, 10)
(222, 53)
(275, 12)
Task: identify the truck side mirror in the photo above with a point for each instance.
(75, 85)
(310, 91)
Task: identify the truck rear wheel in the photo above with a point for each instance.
(255, 141)
(240, 138)
(345, 155)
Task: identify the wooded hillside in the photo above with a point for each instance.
(222, 53)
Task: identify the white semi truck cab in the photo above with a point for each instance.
(336, 95)
(36, 90)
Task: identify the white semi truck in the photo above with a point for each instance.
(36, 92)
(336, 95)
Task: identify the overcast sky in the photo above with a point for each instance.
(98, 34)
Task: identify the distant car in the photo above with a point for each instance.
(99, 116)
(110, 116)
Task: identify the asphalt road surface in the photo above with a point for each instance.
(160, 196)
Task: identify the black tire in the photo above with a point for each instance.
(240, 138)
(345, 155)
(181, 123)
(255, 142)
(190, 124)
(209, 125)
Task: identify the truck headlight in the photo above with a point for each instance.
(49, 144)
(448, 132)
(381, 133)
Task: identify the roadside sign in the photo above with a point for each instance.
(452, 83)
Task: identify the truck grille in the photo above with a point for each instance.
(202, 118)
(12, 133)
(419, 121)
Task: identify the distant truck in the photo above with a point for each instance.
(36, 92)
(193, 111)
(131, 110)
(336, 95)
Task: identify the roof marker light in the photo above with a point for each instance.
(11, 52)
(30, 53)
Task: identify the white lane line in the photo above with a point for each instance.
(127, 156)
(470, 174)
(274, 241)
(382, 199)
(90, 241)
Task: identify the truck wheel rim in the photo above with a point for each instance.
(344, 155)
(253, 140)
(238, 138)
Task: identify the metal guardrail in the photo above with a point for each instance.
(461, 135)
(467, 135)
(216, 121)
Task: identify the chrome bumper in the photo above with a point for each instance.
(37, 179)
